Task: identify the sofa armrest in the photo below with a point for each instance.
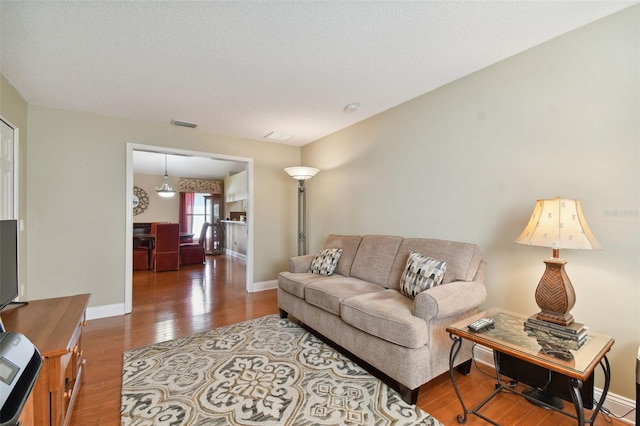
(301, 263)
(449, 299)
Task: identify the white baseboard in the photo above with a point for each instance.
(263, 285)
(235, 254)
(616, 404)
(104, 311)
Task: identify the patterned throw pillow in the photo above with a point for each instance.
(326, 261)
(421, 273)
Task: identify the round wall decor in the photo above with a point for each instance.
(140, 200)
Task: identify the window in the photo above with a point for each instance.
(197, 208)
(199, 214)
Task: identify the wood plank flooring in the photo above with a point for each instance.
(169, 305)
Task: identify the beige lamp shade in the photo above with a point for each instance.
(558, 223)
(301, 172)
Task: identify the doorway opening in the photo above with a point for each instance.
(184, 156)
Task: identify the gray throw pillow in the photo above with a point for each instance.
(421, 273)
(326, 261)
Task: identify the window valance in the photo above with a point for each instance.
(200, 185)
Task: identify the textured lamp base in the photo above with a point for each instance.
(555, 295)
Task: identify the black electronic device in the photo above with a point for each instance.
(481, 324)
(20, 364)
(8, 261)
(548, 385)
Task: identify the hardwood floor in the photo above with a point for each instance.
(169, 305)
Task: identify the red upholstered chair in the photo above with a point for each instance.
(166, 251)
(140, 258)
(191, 253)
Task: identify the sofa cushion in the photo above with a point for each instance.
(375, 258)
(420, 273)
(388, 315)
(329, 294)
(296, 282)
(325, 261)
(349, 245)
(463, 259)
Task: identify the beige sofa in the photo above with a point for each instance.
(361, 309)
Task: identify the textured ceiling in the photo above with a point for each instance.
(153, 163)
(248, 68)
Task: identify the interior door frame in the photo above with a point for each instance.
(128, 279)
(13, 197)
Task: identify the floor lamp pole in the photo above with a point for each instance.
(302, 218)
(301, 173)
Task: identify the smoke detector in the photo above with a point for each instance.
(352, 107)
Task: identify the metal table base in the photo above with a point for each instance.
(574, 385)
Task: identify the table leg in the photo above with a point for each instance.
(576, 384)
(455, 349)
(606, 369)
(462, 418)
(577, 399)
(150, 248)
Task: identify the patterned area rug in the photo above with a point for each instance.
(267, 371)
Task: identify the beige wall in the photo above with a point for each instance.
(76, 196)
(160, 209)
(467, 162)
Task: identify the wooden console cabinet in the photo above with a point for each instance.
(54, 326)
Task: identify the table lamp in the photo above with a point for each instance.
(557, 223)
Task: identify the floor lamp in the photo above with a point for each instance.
(301, 174)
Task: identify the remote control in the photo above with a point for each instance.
(481, 324)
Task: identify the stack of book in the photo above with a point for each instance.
(569, 337)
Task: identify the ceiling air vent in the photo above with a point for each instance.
(184, 124)
(277, 136)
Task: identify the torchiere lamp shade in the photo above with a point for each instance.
(557, 223)
(301, 172)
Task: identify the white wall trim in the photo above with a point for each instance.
(264, 285)
(235, 254)
(104, 311)
(616, 404)
(128, 249)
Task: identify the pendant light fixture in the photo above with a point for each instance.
(165, 190)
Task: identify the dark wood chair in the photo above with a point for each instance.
(166, 250)
(140, 258)
(192, 253)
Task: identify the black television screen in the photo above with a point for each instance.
(8, 261)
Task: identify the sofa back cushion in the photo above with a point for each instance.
(375, 257)
(349, 245)
(463, 259)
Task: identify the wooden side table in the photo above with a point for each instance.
(509, 337)
(54, 326)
